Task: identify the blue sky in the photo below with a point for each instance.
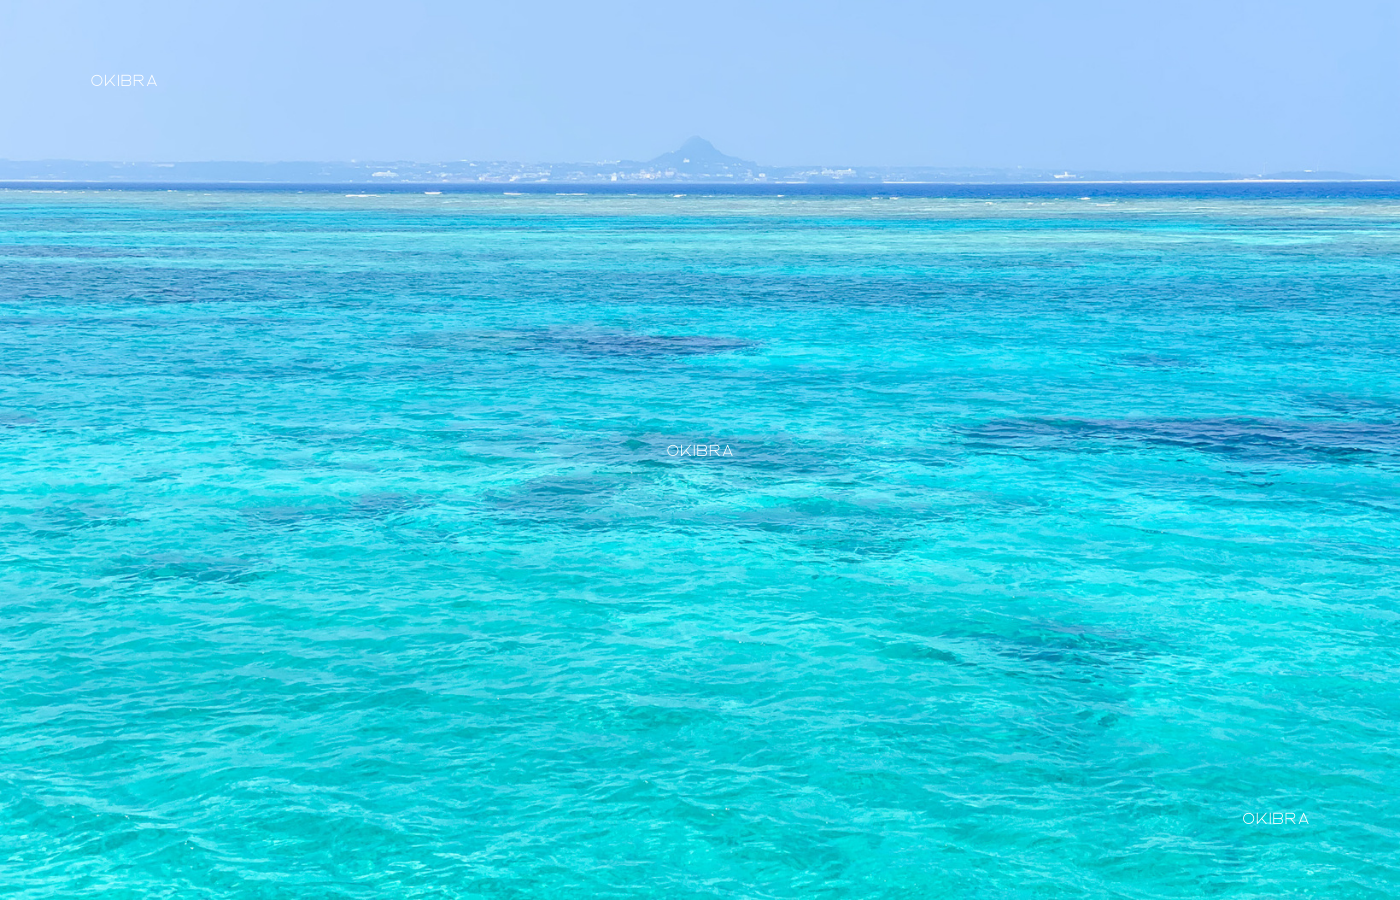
(1080, 85)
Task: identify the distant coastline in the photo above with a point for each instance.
(1238, 188)
(696, 163)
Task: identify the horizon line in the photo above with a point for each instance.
(718, 168)
(661, 186)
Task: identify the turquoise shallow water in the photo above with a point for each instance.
(344, 556)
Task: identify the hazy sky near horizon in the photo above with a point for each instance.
(1182, 86)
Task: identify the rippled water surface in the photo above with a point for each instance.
(345, 553)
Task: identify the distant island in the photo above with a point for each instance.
(696, 161)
